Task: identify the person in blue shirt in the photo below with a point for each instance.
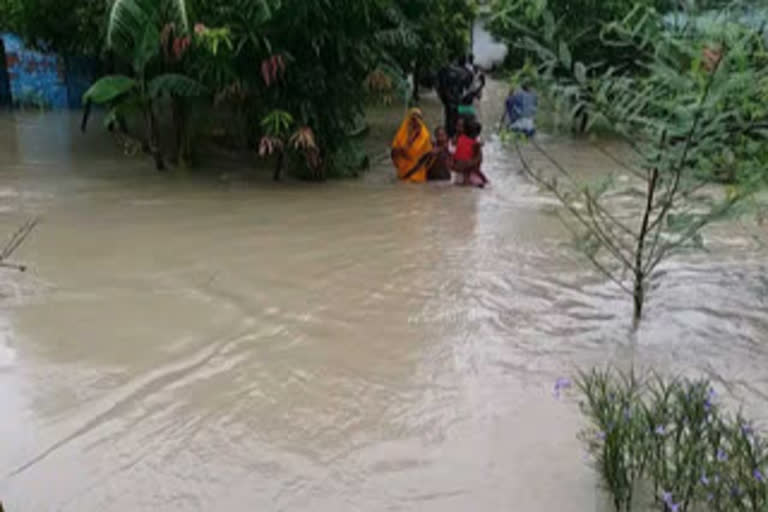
(520, 110)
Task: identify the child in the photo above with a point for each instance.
(440, 169)
(468, 155)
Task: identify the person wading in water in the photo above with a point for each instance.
(453, 81)
(411, 145)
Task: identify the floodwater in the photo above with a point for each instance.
(230, 344)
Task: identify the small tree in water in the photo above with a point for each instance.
(696, 114)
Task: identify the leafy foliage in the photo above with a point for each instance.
(175, 85)
(138, 31)
(70, 27)
(317, 76)
(671, 434)
(693, 113)
(431, 33)
(309, 58)
(109, 88)
(579, 22)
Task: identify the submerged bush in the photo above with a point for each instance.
(672, 436)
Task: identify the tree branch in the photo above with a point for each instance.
(692, 231)
(606, 240)
(18, 238)
(588, 196)
(619, 162)
(669, 201)
(600, 267)
(580, 218)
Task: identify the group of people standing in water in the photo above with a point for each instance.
(456, 152)
(418, 158)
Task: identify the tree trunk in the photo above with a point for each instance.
(639, 290)
(639, 298)
(86, 115)
(154, 149)
(121, 124)
(584, 122)
(581, 118)
(180, 126)
(279, 166)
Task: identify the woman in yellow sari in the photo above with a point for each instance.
(410, 148)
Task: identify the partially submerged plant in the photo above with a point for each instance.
(689, 115)
(138, 35)
(617, 439)
(279, 135)
(672, 436)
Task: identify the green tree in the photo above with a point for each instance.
(579, 22)
(138, 32)
(441, 32)
(696, 110)
(316, 75)
(307, 58)
(70, 27)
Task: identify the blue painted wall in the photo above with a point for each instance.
(35, 78)
(5, 85)
(48, 80)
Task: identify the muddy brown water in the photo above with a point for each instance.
(230, 344)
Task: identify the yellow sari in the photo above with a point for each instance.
(410, 145)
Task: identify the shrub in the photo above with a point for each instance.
(672, 436)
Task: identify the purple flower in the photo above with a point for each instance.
(704, 479)
(758, 475)
(710, 497)
(708, 402)
(747, 429)
(660, 430)
(666, 497)
(600, 436)
(710, 398)
(721, 455)
(561, 384)
(735, 492)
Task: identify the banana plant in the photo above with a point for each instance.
(276, 127)
(280, 133)
(137, 32)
